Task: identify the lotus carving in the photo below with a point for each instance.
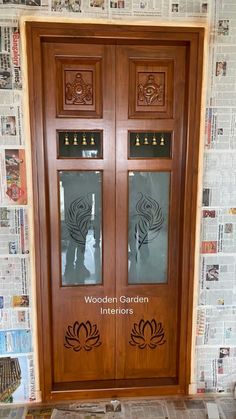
(147, 334)
(82, 336)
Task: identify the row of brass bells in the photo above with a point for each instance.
(75, 140)
(146, 142)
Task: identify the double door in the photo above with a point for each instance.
(115, 159)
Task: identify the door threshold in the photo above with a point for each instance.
(116, 388)
(108, 384)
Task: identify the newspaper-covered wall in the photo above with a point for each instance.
(216, 313)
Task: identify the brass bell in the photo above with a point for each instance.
(92, 141)
(137, 141)
(84, 141)
(75, 141)
(154, 140)
(66, 142)
(162, 142)
(146, 140)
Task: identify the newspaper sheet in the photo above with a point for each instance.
(227, 407)
(218, 231)
(127, 410)
(10, 66)
(147, 8)
(150, 409)
(119, 8)
(15, 321)
(13, 177)
(11, 125)
(219, 182)
(12, 413)
(216, 326)
(220, 128)
(223, 77)
(22, 4)
(216, 369)
(168, 9)
(218, 272)
(135, 8)
(14, 234)
(96, 8)
(11, 98)
(226, 22)
(26, 389)
(15, 341)
(14, 281)
(63, 6)
(39, 413)
(181, 8)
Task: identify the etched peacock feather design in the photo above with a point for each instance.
(78, 218)
(149, 220)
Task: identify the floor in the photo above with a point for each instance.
(149, 408)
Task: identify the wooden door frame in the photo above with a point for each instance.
(193, 38)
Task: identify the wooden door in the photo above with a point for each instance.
(83, 345)
(150, 88)
(114, 212)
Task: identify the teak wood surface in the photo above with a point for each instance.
(115, 368)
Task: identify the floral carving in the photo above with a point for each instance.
(150, 92)
(147, 334)
(79, 92)
(82, 336)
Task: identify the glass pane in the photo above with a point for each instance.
(81, 232)
(149, 144)
(148, 227)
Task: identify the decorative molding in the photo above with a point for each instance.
(82, 336)
(147, 334)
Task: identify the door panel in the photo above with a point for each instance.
(152, 88)
(81, 209)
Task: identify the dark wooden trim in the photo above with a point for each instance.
(39, 32)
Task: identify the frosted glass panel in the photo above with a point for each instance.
(81, 233)
(148, 227)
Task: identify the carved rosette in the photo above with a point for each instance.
(151, 92)
(79, 92)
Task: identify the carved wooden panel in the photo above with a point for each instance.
(151, 89)
(79, 91)
(79, 87)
